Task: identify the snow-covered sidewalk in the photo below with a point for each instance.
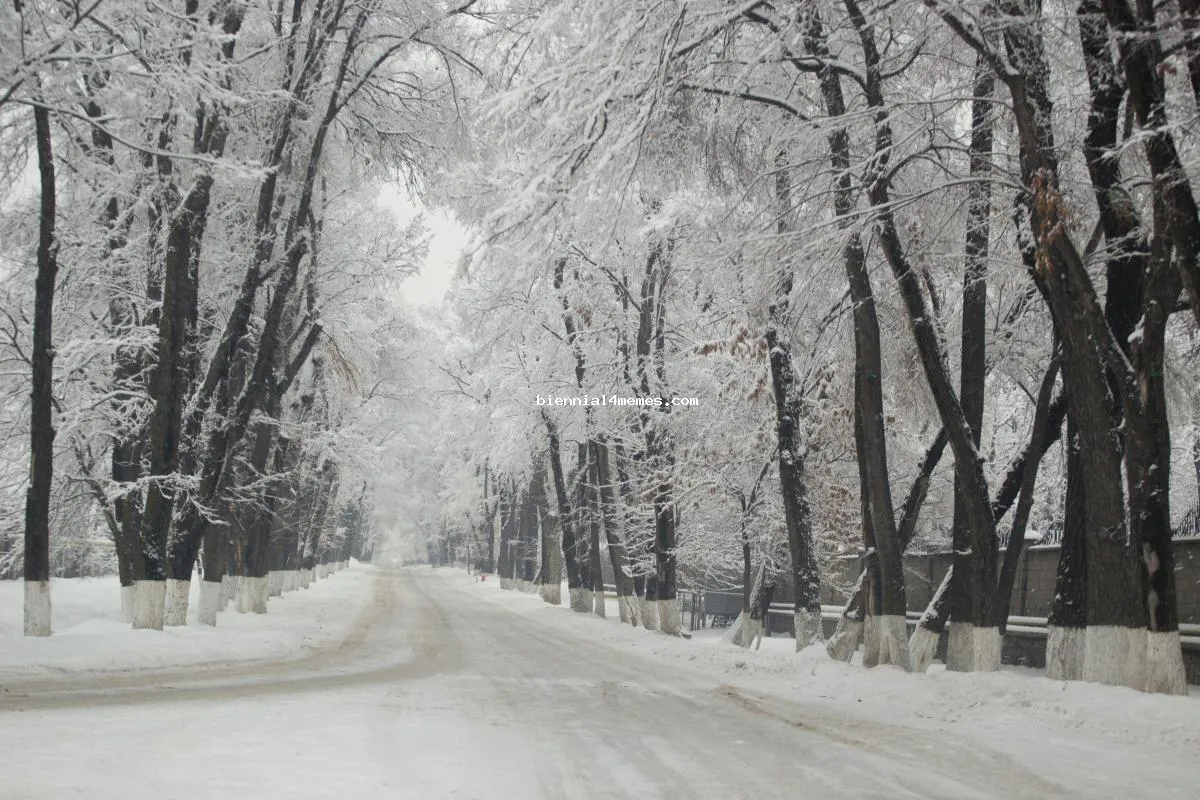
(1016, 708)
(90, 636)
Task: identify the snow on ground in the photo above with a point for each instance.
(89, 634)
(1016, 705)
(448, 688)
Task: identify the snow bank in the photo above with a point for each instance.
(1016, 704)
(89, 633)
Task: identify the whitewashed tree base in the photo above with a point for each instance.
(870, 642)
(274, 583)
(1064, 653)
(733, 633)
(252, 599)
(127, 603)
(628, 609)
(669, 618)
(891, 633)
(581, 601)
(960, 646)
(973, 649)
(38, 613)
(1115, 655)
(649, 614)
(1164, 663)
(751, 631)
(808, 628)
(176, 610)
(599, 604)
(306, 578)
(922, 647)
(210, 602)
(229, 591)
(148, 604)
(551, 593)
(844, 643)
(576, 599)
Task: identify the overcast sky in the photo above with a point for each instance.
(430, 285)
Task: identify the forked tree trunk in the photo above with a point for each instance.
(887, 600)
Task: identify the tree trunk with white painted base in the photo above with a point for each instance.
(564, 519)
(1115, 655)
(252, 596)
(210, 601)
(1165, 671)
(973, 648)
(669, 618)
(649, 613)
(629, 610)
(579, 603)
(149, 598)
(175, 612)
(885, 641)
(38, 614)
(599, 604)
(127, 603)
(627, 605)
(849, 632)
(41, 421)
(922, 645)
(550, 575)
(230, 588)
(754, 622)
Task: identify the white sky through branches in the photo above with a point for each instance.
(447, 240)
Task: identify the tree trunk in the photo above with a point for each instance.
(508, 524)
(1068, 613)
(565, 520)
(1016, 534)
(591, 489)
(964, 594)
(879, 524)
(552, 566)
(626, 597)
(791, 438)
(41, 399)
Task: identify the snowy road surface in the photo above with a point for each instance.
(441, 692)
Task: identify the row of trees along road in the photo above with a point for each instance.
(930, 269)
(214, 322)
(940, 257)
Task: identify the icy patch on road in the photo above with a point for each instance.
(89, 634)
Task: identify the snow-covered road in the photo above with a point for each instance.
(438, 692)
